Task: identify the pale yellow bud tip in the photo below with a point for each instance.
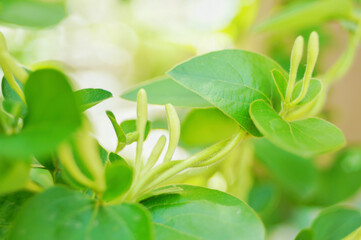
(297, 52)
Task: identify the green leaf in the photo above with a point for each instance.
(314, 90)
(307, 15)
(303, 137)
(335, 223)
(199, 213)
(231, 80)
(13, 175)
(113, 157)
(342, 179)
(280, 82)
(32, 13)
(60, 213)
(12, 102)
(164, 90)
(9, 206)
(118, 178)
(52, 117)
(103, 154)
(356, 235)
(305, 234)
(297, 175)
(203, 127)
(130, 126)
(122, 139)
(265, 198)
(90, 97)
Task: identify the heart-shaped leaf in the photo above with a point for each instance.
(304, 137)
(53, 115)
(231, 80)
(199, 213)
(60, 213)
(90, 97)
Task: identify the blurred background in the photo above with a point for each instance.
(116, 44)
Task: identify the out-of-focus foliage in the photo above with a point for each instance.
(32, 13)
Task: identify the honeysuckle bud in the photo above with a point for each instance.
(312, 55)
(296, 56)
(174, 131)
(142, 114)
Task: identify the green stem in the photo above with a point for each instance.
(345, 61)
(195, 159)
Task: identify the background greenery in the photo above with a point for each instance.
(114, 44)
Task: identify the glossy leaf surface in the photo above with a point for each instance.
(200, 213)
(304, 137)
(231, 80)
(60, 213)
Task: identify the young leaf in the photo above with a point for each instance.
(313, 91)
(122, 139)
(164, 90)
(90, 97)
(334, 223)
(304, 137)
(32, 13)
(118, 178)
(130, 126)
(297, 175)
(113, 158)
(280, 82)
(231, 80)
(200, 213)
(307, 15)
(52, 116)
(60, 213)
